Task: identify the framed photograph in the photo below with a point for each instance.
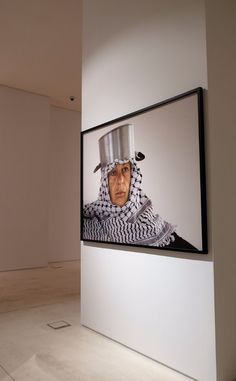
(143, 178)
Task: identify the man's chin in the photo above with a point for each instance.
(120, 201)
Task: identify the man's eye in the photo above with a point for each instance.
(126, 169)
(112, 173)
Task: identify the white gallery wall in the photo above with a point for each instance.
(39, 175)
(24, 148)
(64, 158)
(221, 54)
(157, 302)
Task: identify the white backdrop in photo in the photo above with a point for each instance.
(168, 136)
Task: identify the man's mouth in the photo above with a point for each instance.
(120, 194)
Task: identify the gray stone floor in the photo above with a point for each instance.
(32, 351)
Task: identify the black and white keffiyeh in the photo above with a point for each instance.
(133, 223)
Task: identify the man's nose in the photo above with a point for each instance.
(120, 178)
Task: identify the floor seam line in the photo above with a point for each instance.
(5, 371)
(41, 305)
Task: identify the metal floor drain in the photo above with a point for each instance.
(59, 324)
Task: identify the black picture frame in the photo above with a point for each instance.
(175, 124)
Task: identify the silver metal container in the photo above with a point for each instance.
(117, 144)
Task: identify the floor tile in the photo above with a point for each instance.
(32, 351)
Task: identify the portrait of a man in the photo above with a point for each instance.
(123, 213)
(143, 180)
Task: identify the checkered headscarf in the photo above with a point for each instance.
(133, 223)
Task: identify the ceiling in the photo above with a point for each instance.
(40, 48)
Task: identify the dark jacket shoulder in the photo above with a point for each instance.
(180, 243)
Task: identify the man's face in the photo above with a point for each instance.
(119, 183)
